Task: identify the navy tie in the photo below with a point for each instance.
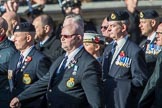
(19, 64)
(112, 53)
(145, 45)
(113, 48)
(62, 67)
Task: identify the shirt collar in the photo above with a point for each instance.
(72, 54)
(26, 52)
(152, 37)
(42, 42)
(122, 41)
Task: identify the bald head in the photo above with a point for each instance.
(44, 20)
(3, 24)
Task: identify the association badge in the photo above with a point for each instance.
(10, 74)
(70, 83)
(26, 79)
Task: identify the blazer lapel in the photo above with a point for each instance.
(27, 59)
(114, 68)
(54, 79)
(53, 70)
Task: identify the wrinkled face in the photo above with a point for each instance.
(40, 33)
(90, 47)
(159, 35)
(69, 38)
(104, 28)
(21, 40)
(115, 30)
(75, 10)
(146, 27)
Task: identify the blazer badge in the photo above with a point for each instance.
(122, 60)
(153, 49)
(26, 79)
(70, 83)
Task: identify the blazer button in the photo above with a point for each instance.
(49, 104)
(50, 90)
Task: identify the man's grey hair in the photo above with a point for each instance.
(78, 22)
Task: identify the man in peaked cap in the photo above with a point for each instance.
(104, 31)
(94, 44)
(28, 65)
(149, 20)
(124, 70)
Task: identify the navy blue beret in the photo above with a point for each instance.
(118, 15)
(148, 14)
(24, 27)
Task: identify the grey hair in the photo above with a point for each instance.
(78, 22)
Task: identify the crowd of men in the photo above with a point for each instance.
(74, 66)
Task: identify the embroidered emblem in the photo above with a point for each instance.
(10, 74)
(26, 79)
(70, 83)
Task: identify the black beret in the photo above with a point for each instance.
(24, 27)
(148, 14)
(118, 15)
(71, 3)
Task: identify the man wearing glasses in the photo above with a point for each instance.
(105, 31)
(74, 79)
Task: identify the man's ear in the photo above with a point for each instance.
(29, 38)
(97, 47)
(124, 28)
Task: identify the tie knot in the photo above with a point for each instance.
(114, 44)
(148, 41)
(21, 57)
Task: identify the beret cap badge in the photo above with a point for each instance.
(113, 16)
(141, 15)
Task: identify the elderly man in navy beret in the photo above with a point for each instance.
(149, 20)
(124, 67)
(28, 65)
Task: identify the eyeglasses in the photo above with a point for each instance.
(68, 36)
(158, 33)
(104, 27)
